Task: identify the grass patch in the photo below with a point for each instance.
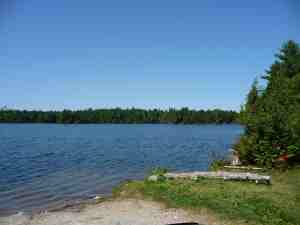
(276, 204)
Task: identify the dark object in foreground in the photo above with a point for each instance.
(184, 224)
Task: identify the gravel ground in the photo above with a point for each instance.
(117, 212)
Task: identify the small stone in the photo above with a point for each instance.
(97, 197)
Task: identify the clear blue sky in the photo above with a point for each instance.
(78, 54)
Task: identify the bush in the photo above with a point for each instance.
(218, 164)
(159, 171)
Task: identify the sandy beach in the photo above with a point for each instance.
(114, 212)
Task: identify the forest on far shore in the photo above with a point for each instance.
(118, 115)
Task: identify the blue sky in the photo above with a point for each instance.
(78, 54)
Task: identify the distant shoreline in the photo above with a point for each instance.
(118, 115)
(196, 124)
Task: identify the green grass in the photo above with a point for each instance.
(276, 204)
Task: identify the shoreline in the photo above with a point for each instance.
(74, 204)
(117, 211)
(206, 201)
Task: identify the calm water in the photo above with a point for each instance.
(42, 166)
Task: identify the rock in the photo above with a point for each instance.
(97, 197)
(153, 178)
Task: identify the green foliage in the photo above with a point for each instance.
(292, 149)
(218, 164)
(272, 116)
(117, 115)
(245, 148)
(277, 204)
(159, 171)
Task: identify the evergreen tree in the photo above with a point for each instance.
(272, 117)
(117, 115)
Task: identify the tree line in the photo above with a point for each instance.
(271, 115)
(118, 115)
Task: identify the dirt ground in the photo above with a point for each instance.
(116, 212)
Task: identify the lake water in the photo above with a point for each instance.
(43, 165)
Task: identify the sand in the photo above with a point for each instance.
(115, 212)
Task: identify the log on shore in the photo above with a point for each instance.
(243, 167)
(241, 176)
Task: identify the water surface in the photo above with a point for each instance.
(44, 165)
